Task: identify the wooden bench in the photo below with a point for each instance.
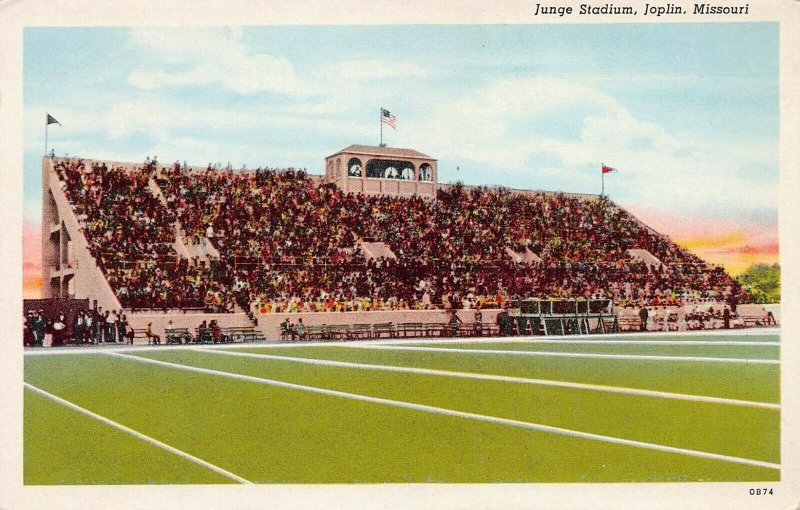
(178, 336)
(466, 329)
(361, 331)
(337, 332)
(629, 323)
(751, 321)
(411, 329)
(312, 332)
(489, 329)
(243, 334)
(435, 329)
(203, 335)
(384, 328)
(142, 333)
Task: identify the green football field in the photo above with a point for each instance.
(626, 408)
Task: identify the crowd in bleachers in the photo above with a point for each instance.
(287, 243)
(131, 233)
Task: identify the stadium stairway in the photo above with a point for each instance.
(645, 256)
(204, 249)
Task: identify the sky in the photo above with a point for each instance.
(687, 113)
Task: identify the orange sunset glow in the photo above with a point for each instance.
(734, 246)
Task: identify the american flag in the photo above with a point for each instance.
(388, 119)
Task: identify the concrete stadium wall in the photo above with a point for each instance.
(269, 323)
(87, 278)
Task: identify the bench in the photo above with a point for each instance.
(311, 333)
(243, 334)
(384, 328)
(336, 332)
(411, 329)
(203, 335)
(142, 333)
(178, 336)
(360, 331)
(629, 323)
(435, 329)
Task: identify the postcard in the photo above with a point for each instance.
(371, 255)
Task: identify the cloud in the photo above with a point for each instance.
(211, 57)
(358, 71)
(515, 123)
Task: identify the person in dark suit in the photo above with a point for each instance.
(39, 325)
(643, 314)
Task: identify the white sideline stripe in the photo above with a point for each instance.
(528, 340)
(503, 378)
(703, 333)
(460, 414)
(139, 435)
(279, 344)
(563, 354)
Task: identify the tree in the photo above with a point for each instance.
(763, 282)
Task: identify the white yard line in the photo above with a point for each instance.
(540, 340)
(460, 414)
(503, 378)
(138, 434)
(563, 354)
(709, 333)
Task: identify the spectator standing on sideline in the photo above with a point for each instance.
(726, 318)
(99, 325)
(454, 320)
(122, 326)
(88, 327)
(39, 325)
(28, 339)
(59, 330)
(77, 330)
(643, 313)
(111, 326)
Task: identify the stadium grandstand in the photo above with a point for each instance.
(374, 242)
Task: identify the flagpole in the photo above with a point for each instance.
(46, 125)
(380, 121)
(602, 182)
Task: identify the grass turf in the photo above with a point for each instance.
(756, 382)
(709, 351)
(63, 446)
(269, 434)
(729, 430)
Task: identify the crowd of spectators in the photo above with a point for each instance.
(289, 242)
(131, 233)
(86, 327)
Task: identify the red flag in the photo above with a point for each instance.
(608, 169)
